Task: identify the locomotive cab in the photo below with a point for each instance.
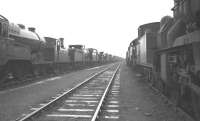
(3, 27)
(3, 37)
(76, 53)
(101, 57)
(92, 55)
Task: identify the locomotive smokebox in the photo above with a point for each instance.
(32, 29)
(26, 37)
(165, 24)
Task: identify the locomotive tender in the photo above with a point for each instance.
(24, 52)
(168, 52)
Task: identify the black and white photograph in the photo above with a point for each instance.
(100, 60)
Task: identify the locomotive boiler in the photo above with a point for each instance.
(27, 53)
(18, 48)
(24, 52)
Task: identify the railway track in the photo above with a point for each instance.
(85, 102)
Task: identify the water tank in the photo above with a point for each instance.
(153, 27)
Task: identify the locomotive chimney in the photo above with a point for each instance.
(32, 29)
(62, 43)
(21, 26)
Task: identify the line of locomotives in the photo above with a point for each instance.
(168, 52)
(23, 52)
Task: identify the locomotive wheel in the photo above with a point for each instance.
(7, 72)
(154, 80)
(38, 70)
(196, 105)
(177, 98)
(50, 69)
(3, 74)
(18, 70)
(42, 70)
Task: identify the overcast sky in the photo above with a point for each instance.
(107, 25)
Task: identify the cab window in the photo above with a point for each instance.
(5, 30)
(1, 29)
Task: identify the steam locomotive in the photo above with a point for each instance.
(168, 53)
(24, 52)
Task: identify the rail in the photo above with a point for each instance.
(48, 105)
(95, 116)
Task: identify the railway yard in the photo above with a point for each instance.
(106, 93)
(58, 73)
